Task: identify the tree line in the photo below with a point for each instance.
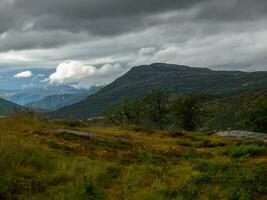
(158, 110)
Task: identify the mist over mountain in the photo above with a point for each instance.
(28, 95)
(58, 101)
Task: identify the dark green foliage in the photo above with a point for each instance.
(246, 149)
(156, 110)
(131, 110)
(186, 112)
(157, 107)
(201, 143)
(153, 109)
(244, 183)
(113, 114)
(242, 112)
(92, 191)
(257, 119)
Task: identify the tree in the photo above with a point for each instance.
(257, 119)
(186, 112)
(113, 114)
(127, 111)
(156, 107)
(131, 110)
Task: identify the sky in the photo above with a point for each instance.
(92, 42)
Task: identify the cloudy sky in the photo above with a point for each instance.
(92, 42)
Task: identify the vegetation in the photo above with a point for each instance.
(187, 112)
(243, 112)
(38, 161)
(258, 117)
(156, 110)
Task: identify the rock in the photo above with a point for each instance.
(245, 134)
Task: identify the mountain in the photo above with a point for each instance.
(29, 95)
(7, 107)
(58, 101)
(176, 79)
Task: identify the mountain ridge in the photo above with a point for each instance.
(6, 107)
(58, 101)
(176, 79)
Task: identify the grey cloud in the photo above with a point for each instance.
(233, 10)
(92, 9)
(15, 40)
(80, 14)
(193, 32)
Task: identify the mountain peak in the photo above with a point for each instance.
(176, 79)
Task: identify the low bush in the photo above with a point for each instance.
(245, 150)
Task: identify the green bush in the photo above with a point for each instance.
(245, 150)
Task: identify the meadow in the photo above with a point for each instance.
(41, 159)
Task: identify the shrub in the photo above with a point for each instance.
(245, 150)
(186, 111)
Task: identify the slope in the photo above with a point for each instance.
(176, 79)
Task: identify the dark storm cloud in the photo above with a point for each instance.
(32, 39)
(194, 32)
(94, 9)
(233, 10)
(76, 15)
(96, 17)
(107, 18)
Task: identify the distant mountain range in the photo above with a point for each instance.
(29, 95)
(176, 79)
(58, 101)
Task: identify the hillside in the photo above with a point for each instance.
(232, 113)
(41, 160)
(7, 107)
(176, 79)
(58, 101)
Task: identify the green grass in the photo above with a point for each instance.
(37, 163)
(246, 149)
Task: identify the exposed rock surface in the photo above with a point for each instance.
(246, 134)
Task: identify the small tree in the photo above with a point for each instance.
(156, 107)
(127, 111)
(113, 114)
(186, 112)
(131, 110)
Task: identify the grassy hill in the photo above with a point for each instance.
(39, 160)
(176, 79)
(7, 107)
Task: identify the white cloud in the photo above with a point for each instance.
(25, 74)
(80, 75)
(40, 75)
